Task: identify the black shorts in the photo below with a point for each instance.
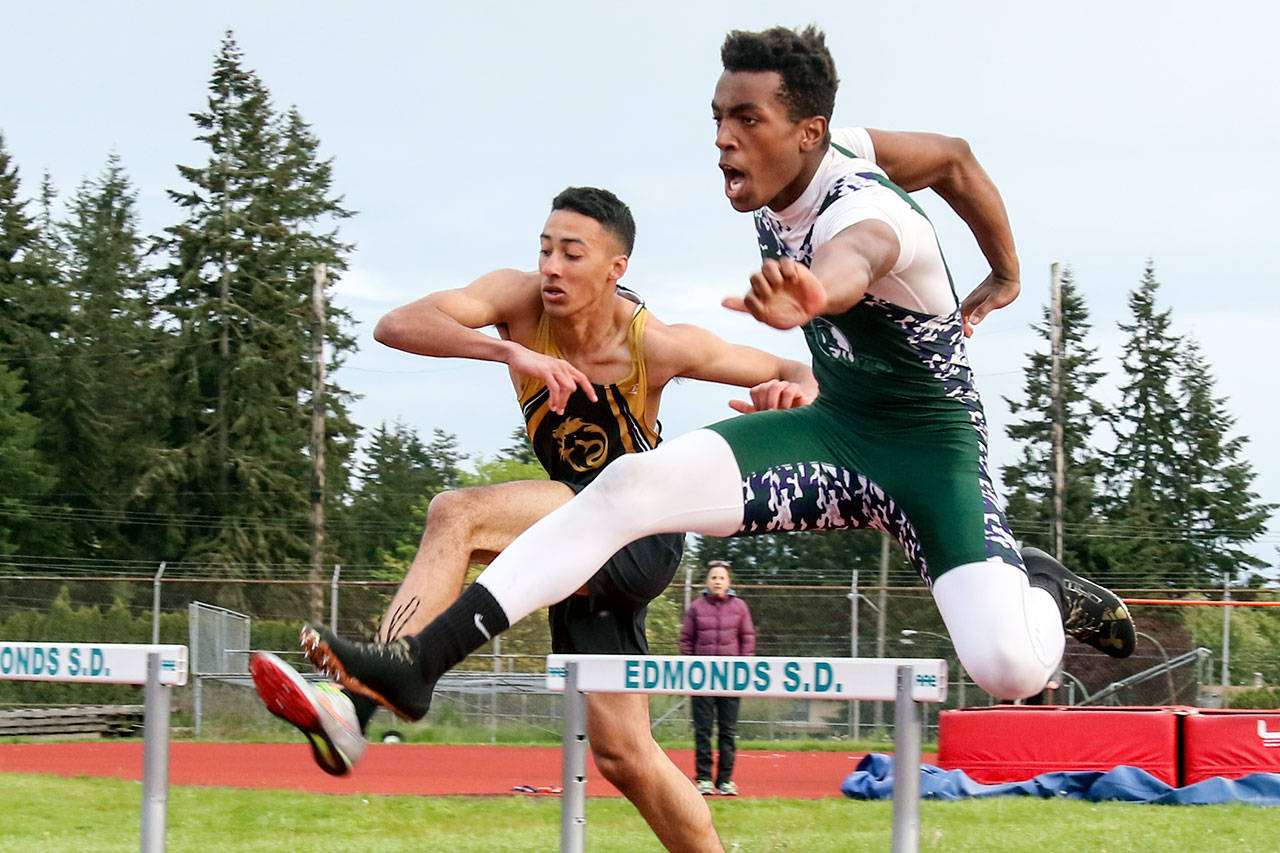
(609, 619)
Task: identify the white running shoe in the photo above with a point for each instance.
(321, 711)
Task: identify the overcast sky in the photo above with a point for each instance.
(1117, 132)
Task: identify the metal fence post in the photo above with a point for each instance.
(155, 605)
(333, 598)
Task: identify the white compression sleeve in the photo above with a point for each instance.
(690, 483)
(1007, 633)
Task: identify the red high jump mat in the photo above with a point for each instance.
(1229, 743)
(1009, 743)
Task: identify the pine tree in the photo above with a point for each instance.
(1154, 481)
(1216, 508)
(33, 308)
(24, 477)
(521, 448)
(33, 316)
(102, 403)
(258, 221)
(398, 477)
(1028, 483)
(1143, 462)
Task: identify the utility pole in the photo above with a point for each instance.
(1057, 405)
(319, 280)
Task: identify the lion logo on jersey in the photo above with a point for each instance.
(584, 446)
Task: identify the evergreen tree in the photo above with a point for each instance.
(32, 306)
(1143, 469)
(1182, 502)
(1028, 483)
(33, 316)
(396, 480)
(101, 402)
(24, 477)
(258, 222)
(1145, 423)
(521, 448)
(1216, 508)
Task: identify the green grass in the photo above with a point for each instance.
(52, 814)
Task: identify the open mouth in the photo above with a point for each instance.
(734, 181)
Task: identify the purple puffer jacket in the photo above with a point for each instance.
(717, 626)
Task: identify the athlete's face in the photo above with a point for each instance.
(718, 580)
(580, 262)
(764, 155)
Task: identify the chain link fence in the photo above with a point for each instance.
(500, 690)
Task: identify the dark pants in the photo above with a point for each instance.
(721, 711)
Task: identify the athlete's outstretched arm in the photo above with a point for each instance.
(446, 324)
(785, 294)
(947, 165)
(691, 352)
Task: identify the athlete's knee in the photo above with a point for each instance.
(451, 509)
(619, 765)
(697, 467)
(634, 483)
(1007, 668)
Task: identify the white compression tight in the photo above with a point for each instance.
(1007, 634)
(688, 484)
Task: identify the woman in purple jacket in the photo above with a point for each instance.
(718, 623)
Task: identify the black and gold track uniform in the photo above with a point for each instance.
(573, 448)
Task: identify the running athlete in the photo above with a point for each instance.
(589, 364)
(895, 440)
(472, 525)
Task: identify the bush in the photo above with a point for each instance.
(1255, 697)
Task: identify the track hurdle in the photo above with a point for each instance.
(904, 681)
(157, 667)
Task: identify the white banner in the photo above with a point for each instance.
(103, 663)
(797, 678)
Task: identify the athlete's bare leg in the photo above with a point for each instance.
(464, 526)
(629, 757)
(473, 525)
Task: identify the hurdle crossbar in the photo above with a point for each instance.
(905, 681)
(159, 667)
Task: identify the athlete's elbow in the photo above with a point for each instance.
(393, 330)
(959, 165)
(385, 331)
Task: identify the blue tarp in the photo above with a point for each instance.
(873, 780)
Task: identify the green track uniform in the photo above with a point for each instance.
(896, 440)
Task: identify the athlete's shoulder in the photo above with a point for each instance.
(521, 280)
(854, 142)
(518, 290)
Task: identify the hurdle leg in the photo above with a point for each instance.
(906, 766)
(155, 758)
(573, 773)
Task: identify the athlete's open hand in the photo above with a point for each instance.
(774, 394)
(784, 294)
(560, 377)
(994, 292)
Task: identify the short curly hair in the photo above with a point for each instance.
(604, 207)
(800, 57)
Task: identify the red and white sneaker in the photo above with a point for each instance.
(321, 711)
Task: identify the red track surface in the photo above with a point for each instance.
(406, 768)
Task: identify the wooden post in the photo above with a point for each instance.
(1057, 406)
(319, 280)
